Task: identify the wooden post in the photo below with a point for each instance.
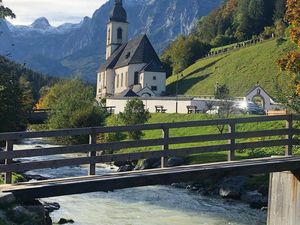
(289, 136)
(92, 167)
(8, 175)
(165, 135)
(231, 153)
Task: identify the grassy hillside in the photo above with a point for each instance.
(240, 70)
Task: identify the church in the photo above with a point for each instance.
(132, 67)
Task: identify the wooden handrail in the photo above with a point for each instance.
(157, 126)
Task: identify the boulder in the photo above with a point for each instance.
(126, 168)
(65, 221)
(255, 199)
(175, 161)
(7, 198)
(231, 187)
(150, 164)
(51, 206)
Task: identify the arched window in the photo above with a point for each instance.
(121, 79)
(119, 33)
(108, 36)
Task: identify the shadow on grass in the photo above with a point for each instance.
(185, 84)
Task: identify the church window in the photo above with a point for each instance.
(154, 88)
(154, 77)
(122, 79)
(126, 79)
(120, 33)
(127, 55)
(136, 78)
(108, 36)
(117, 80)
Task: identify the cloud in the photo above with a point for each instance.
(56, 11)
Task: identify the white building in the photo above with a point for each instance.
(131, 64)
(259, 96)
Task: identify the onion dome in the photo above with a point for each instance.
(118, 13)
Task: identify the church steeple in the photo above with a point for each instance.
(117, 28)
(118, 13)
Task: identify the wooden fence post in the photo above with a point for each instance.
(231, 153)
(165, 136)
(92, 141)
(289, 136)
(8, 175)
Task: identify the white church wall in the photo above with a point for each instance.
(150, 103)
(132, 68)
(154, 79)
(122, 84)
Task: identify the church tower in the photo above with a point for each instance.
(117, 28)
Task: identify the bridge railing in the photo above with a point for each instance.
(231, 143)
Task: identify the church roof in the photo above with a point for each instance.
(127, 93)
(113, 59)
(135, 51)
(153, 66)
(118, 13)
(138, 50)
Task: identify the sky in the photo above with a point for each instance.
(56, 11)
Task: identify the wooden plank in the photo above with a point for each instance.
(165, 134)
(154, 177)
(92, 166)
(20, 167)
(87, 131)
(8, 175)
(231, 153)
(289, 136)
(140, 143)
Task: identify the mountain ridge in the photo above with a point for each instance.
(80, 48)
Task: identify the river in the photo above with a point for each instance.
(155, 205)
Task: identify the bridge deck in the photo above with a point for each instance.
(114, 181)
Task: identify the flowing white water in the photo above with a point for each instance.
(155, 205)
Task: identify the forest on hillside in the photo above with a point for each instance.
(233, 21)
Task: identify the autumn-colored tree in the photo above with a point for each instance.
(291, 62)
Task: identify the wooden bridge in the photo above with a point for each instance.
(232, 141)
(38, 116)
(283, 187)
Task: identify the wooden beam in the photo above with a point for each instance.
(8, 175)
(92, 166)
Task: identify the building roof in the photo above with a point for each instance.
(153, 66)
(127, 93)
(118, 13)
(113, 59)
(135, 51)
(138, 50)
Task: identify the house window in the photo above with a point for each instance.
(122, 80)
(136, 78)
(154, 77)
(154, 88)
(119, 33)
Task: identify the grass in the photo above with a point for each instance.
(240, 70)
(208, 157)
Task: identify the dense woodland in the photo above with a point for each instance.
(19, 91)
(233, 21)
